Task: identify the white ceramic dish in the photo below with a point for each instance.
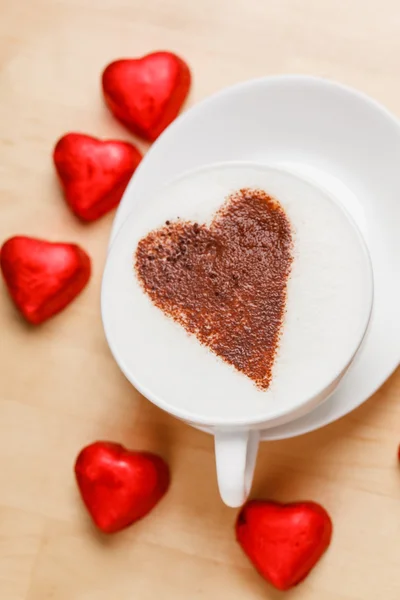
(319, 340)
(332, 135)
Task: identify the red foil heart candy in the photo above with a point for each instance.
(43, 277)
(94, 173)
(119, 486)
(146, 94)
(283, 541)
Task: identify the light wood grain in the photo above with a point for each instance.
(59, 387)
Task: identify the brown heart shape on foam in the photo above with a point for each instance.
(226, 282)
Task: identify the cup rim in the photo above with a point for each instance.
(284, 415)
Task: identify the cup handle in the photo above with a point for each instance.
(235, 454)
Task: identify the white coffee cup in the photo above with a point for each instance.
(178, 374)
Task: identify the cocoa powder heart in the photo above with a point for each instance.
(225, 283)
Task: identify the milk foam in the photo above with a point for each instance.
(326, 313)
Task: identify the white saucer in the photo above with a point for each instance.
(334, 136)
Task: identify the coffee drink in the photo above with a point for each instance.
(244, 292)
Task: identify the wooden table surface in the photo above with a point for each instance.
(59, 386)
